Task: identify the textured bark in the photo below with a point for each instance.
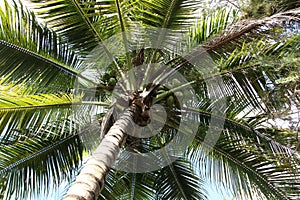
(90, 181)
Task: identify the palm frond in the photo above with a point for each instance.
(249, 30)
(212, 23)
(142, 186)
(251, 75)
(21, 28)
(252, 155)
(287, 137)
(31, 114)
(116, 186)
(69, 19)
(229, 41)
(257, 157)
(169, 14)
(166, 21)
(13, 100)
(159, 184)
(129, 186)
(28, 164)
(178, 181)
(254, 72)
(32, 53)
(95, 21)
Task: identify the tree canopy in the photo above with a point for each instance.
(53, 99)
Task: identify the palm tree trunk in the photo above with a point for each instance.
(90, 181)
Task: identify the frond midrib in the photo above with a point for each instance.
(41, 58)
(243, 126)
(278, 192)
(36, 154)
(53, 105)
(39, 107)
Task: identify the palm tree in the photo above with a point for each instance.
(53, 108)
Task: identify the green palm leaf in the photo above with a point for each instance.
(21, 28)
(159, 184)
(32, 53)
(129, 186)
(167, 14)
(176, 182)
(29, 163)
(251, 155)
(213, 23)
(29, 114)
(68, 18)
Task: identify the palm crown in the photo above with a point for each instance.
(52, 108)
